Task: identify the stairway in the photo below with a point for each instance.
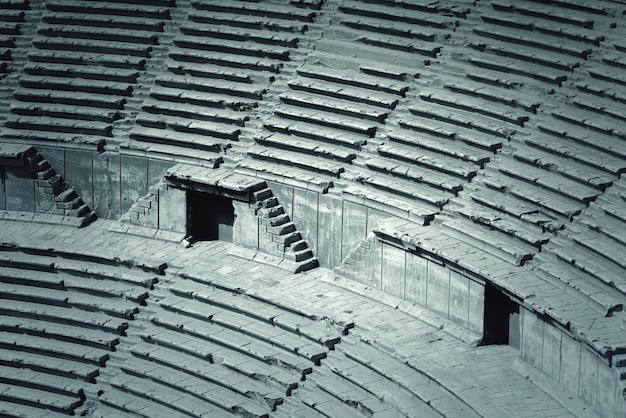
(55, 197)
(278, 235)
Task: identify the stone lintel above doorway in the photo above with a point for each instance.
(217, 181)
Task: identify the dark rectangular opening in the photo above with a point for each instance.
(501, 318)
(209, 217)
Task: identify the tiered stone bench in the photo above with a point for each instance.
(63, 312)
(225, 351)
(82, 60)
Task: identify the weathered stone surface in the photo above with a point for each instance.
(173, 210)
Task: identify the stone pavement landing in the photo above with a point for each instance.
(484, 381)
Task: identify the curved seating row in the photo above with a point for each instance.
(89, 57)
(63, 314)
(220, 66)
(217, 350)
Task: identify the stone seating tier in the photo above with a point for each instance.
(510, 36)
(123, 49)
(510, 66)
(545, 13)
(421, 178)
(270, 10)
(41, 401)
(92, 72)
(99, 33)
(94, 20)
(233, 34)
(383, 12)
(70, 57)
(244, 48)
(147, 10)
(354, 79)
(402, 29)
(530, 23)
(247, 21)
(337, 106)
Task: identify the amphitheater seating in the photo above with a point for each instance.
(218, 349)
(81, 59)
(63, 312)
(12, 17)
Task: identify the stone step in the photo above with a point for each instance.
(116, 308)
(211, 374)
(50, 347)
(147, 11)
(61, 332)
(64, 315)
(38, 398)
(252, 21)
(50, 364)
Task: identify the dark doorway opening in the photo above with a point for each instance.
(210, 217)
(502, 323)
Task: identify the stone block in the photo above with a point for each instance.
(438, 288)
(372, 264)
(354, 225)
(330, 210)
(79, 173)
(459, 298)
(106, 185)
(173, 210)
(133, 179)
(569, 375)
(246, 226)
(416, 279)
(284, 194)
(532, 338)
(476, 319)
(551, 359)
(606, 399)
(20, 190)
(156, 171)
(55, 157)
(373, 217)
(44, 203)
(393, 270)
(588, 383)
(305, 208)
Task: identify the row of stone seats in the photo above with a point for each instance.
(504, 34)
(405, 182)
(530, 23)
(247, 21)
(199, 29)
(428, 163)
(217, 351)
(305, 146)
(392, 27)
(510, 66)
(270, 10)
(63, 311)
(396, 11)
(89, 56)
(145, 9)
(213, 54)
(374, 382)
(583, 147)
(307, 116)
(551, 193)
(12, 16)
(91, 20)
